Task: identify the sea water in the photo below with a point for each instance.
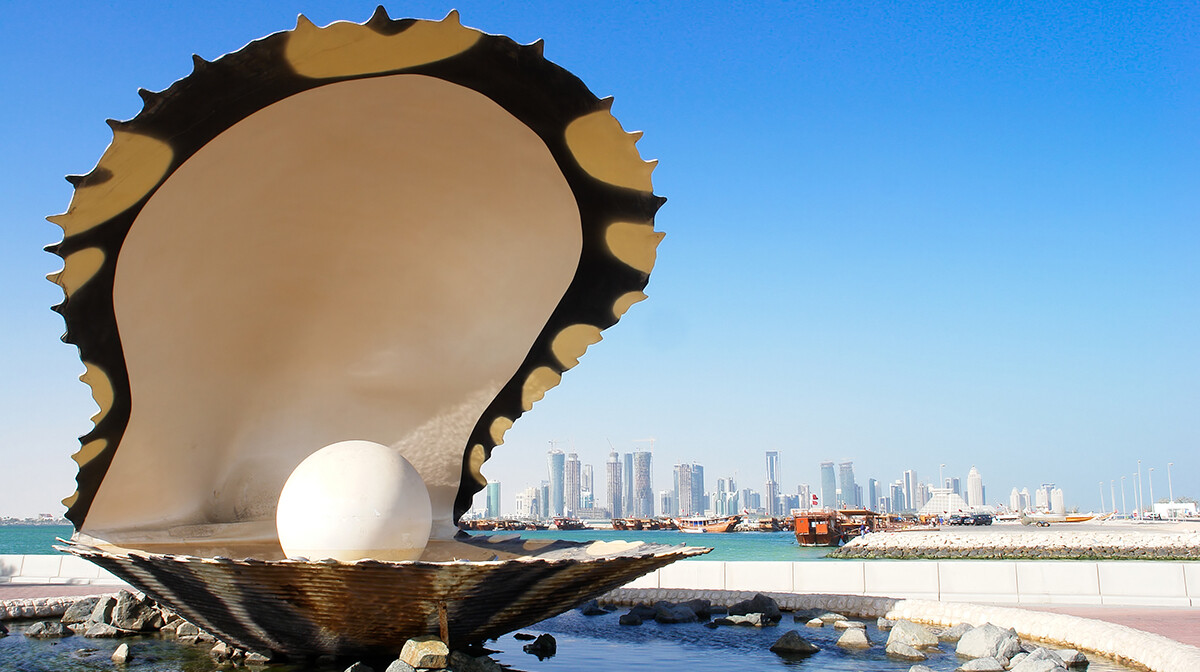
(39, 540)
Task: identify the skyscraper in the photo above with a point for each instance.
(556, 463)
(772, 484)
(571, 489)
(627, 484)
(587, 481)
(493, 499)
(544, 499)
(849, 487)
(682, 496)
(615, 489)
(953, 485)
(912, 497)
(974, 488)
(1014, 501)
(897, 497)
(805, 493)
(872, 495)
(643, 491)
(828, 486)
(698, 494)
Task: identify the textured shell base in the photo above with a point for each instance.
(300, 608)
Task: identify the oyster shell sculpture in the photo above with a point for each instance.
(401, 232)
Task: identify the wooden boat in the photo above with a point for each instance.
(832, 528)
(700, 524)
(565, 523)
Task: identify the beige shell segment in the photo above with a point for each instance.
(634, 244)
(499, 427)
(606, 152)
(540, 380)
(102, 391)
(626, 300)
(88, 451)
(132, 166)
(343, 49)
(475, 463)
(78, 268)
(571, 343)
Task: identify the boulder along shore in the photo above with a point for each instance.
(1025, 544)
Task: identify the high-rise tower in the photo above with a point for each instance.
(615, 489)
(555, 461)
(828, 486)
(643, 491)
(571, 489)
(772, 485)
(849, 487)
(974, 488)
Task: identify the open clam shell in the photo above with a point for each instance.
(402, 231)
(369, 608)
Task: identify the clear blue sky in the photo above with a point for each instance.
(953, 233)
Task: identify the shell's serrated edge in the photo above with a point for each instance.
(622, 285)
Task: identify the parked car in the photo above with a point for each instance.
(981, 519)
(959, 519)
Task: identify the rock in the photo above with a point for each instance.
(667, 613)
(886, 624)
(47, 630)
(954, 634)
(3, 630)
(121, 655)
(989, 641)
(359, 667)
(461, 662)
(832, 617)
(130, 613)
(185, 629)
(792, 644)
(591, 608)
(80, 611)
(630, 619)
(920, 668)
(542, 647)
(643, 611)
(253, 658)
(102, 612)
(525, 637)
(759, 604)
(1030, 664)
(903, 651)
(842, 625)
(426, 652)
(854, 638)
(1072, 658)
(701, 608)
(1012, 662)
(400, 666)
(816, 623)
(106, 631)
(755, 620)
(988, 664)
(912, 634)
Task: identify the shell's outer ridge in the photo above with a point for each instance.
(220, 93)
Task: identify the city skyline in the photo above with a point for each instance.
(899, 236)
(914, 492)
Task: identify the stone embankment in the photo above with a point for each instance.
(1025, 544)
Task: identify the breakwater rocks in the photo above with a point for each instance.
(1024, 544)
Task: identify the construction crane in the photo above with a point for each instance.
(651, 441)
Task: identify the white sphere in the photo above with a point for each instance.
(353, 500)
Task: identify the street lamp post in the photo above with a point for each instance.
(1139, 489)
(941, 479)
(1170, 491)
(1112, 492)
(1101, 495)
(1137, 498)
(1150, 478)
(1124, 508)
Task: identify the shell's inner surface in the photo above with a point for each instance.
(371, 259)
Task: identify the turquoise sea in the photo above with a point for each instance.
(39, 540)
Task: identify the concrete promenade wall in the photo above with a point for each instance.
(53, 569)
(1112, 582)
(1021, 582)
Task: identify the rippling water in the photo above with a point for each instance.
(584, 643)
(31, 539)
